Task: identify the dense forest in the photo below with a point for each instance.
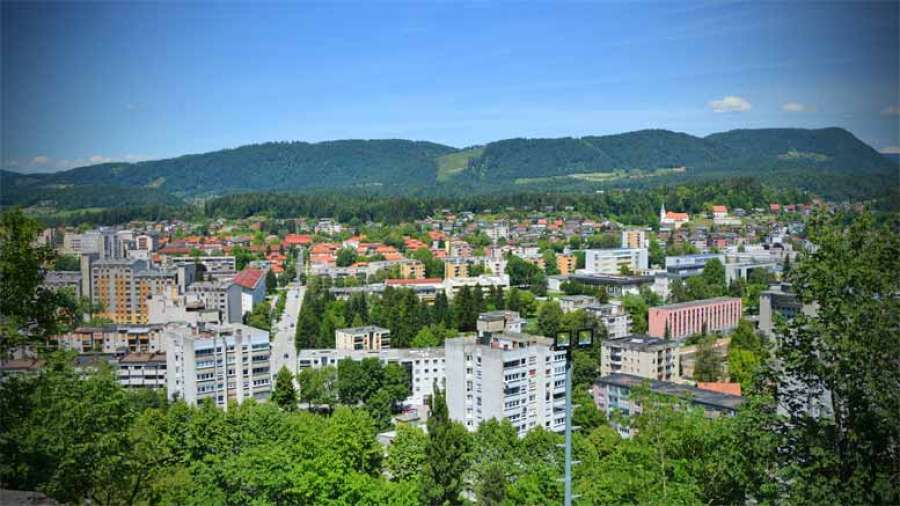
(831, 162)
(638, 207)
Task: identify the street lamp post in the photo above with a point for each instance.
(569, 341)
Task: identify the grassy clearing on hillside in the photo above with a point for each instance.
(452, 164)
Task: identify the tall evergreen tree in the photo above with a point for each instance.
(446, 456)
(441, 310)
(284, 394)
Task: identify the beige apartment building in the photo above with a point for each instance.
(123, 288)
(368, 338)
(638, 355)
(412, 270)
(456, 269)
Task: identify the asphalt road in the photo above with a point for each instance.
(283, 351)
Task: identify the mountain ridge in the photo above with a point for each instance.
(401, 165)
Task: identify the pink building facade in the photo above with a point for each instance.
(687, 318)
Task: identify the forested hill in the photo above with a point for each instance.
(831, 150)
(816, 160)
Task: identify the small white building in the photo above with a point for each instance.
(614, 261)
(368, 338)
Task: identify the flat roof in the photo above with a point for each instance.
(137, 358)
(639, 342)
(703, 397)
(610, 279)
(363, 330)
(695, 303)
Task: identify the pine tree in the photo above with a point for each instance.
(441, 310)
(446, 456)
(284, 394)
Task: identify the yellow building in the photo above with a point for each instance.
(122, 288)
(634, 238)
(566, 264)
(412, 270)
(456, 269)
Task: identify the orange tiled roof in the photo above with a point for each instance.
(721, 387)
(402, 282)
(676, 216)
(297, 239)
(248, 278)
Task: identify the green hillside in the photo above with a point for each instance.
(828, 161)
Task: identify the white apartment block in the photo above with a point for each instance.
(424, 365)
(223, 295)
(509, 376)
(224, 364)
(368, 338)
(613, 316)
(485, 281)
(644, 356)
(213, 264)
(168, 308)
(143, 370)
(612, 261)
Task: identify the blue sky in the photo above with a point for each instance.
(84, 83)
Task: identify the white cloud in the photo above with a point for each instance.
(891, 110)
(43, 163)
(890, 150)
(794, 107)
(730, 104)
(99, 159)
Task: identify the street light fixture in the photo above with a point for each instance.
(569, 341)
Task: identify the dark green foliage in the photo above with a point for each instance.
(849, 349)
(67, 263)
(434, 268)
(828, 161)
(29, 312)
(272, 166)
(284, 394)
(523, 273)
(708, 362)
(406, 455)
(380, 388)
(271, 282)
(777, 153)
(318, 386)
(446, 456)
(346, 257)
(492, 485)
(466, 308)
(261, 316)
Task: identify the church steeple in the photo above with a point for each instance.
(662, 211)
